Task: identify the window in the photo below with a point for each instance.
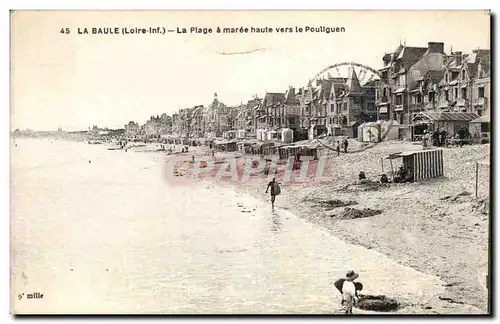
(456, 93)
(401, 80)
(454, 75)
(485, 128)
(464, 93)
(463, 75)
(419, 98)
(431, 96)
(446, 77)
(480, 92)
(399, 100)
(345, 106)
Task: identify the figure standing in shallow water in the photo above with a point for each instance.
(275, 190)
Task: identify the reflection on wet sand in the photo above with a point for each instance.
(276, 223)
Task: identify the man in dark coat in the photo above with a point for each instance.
(345, 144)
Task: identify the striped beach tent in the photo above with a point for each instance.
(422, 164)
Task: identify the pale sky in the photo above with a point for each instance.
(75, 81)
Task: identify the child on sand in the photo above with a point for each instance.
(349, 290)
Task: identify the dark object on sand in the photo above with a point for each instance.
(378, 303)
(90, 161)
(353, 213)
(335, 203)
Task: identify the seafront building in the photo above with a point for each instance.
(418, 81)
(414, 85)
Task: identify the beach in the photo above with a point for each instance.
(100, 231)
(437, 226)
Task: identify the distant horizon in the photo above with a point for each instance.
(76, 81)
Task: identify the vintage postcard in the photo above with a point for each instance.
(250, 162)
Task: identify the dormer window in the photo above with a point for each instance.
(463, 75)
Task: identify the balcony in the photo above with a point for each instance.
(382, 100)
(383, 110)
(444, 104)
(416, 106)
(479, 102)
(398, 107)
(462, 102)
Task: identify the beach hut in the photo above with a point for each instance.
(287, 151)
(352, 129)
(370, 132)
(261, 134)
(480, 127)
(268, 148)
(227, 146)
(272, 135)
(378, 131)
(421, 164)
(240, 133)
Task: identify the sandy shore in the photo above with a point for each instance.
(437, 227)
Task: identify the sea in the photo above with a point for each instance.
(97, 231)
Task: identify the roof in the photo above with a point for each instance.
(290, 95)
(430, 61)
(273, 98)
(448, 116)
(400, 89)
(410, 55)
(478, 56)
(407, 153)
(397, 51)
(352, 82)
(482, 119)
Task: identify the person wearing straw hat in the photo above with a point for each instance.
(347, 287)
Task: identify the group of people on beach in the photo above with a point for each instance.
(402, 175)
(443, 138)
(344, 145)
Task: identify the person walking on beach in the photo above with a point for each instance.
(349, 290)
(275, 190)
(338, 148)
(345, 144)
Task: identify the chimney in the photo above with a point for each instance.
(386, 58)
(434, 47)
(458, 58)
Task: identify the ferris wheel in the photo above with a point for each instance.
(363, 72)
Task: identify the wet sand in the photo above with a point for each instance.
(114, 236)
